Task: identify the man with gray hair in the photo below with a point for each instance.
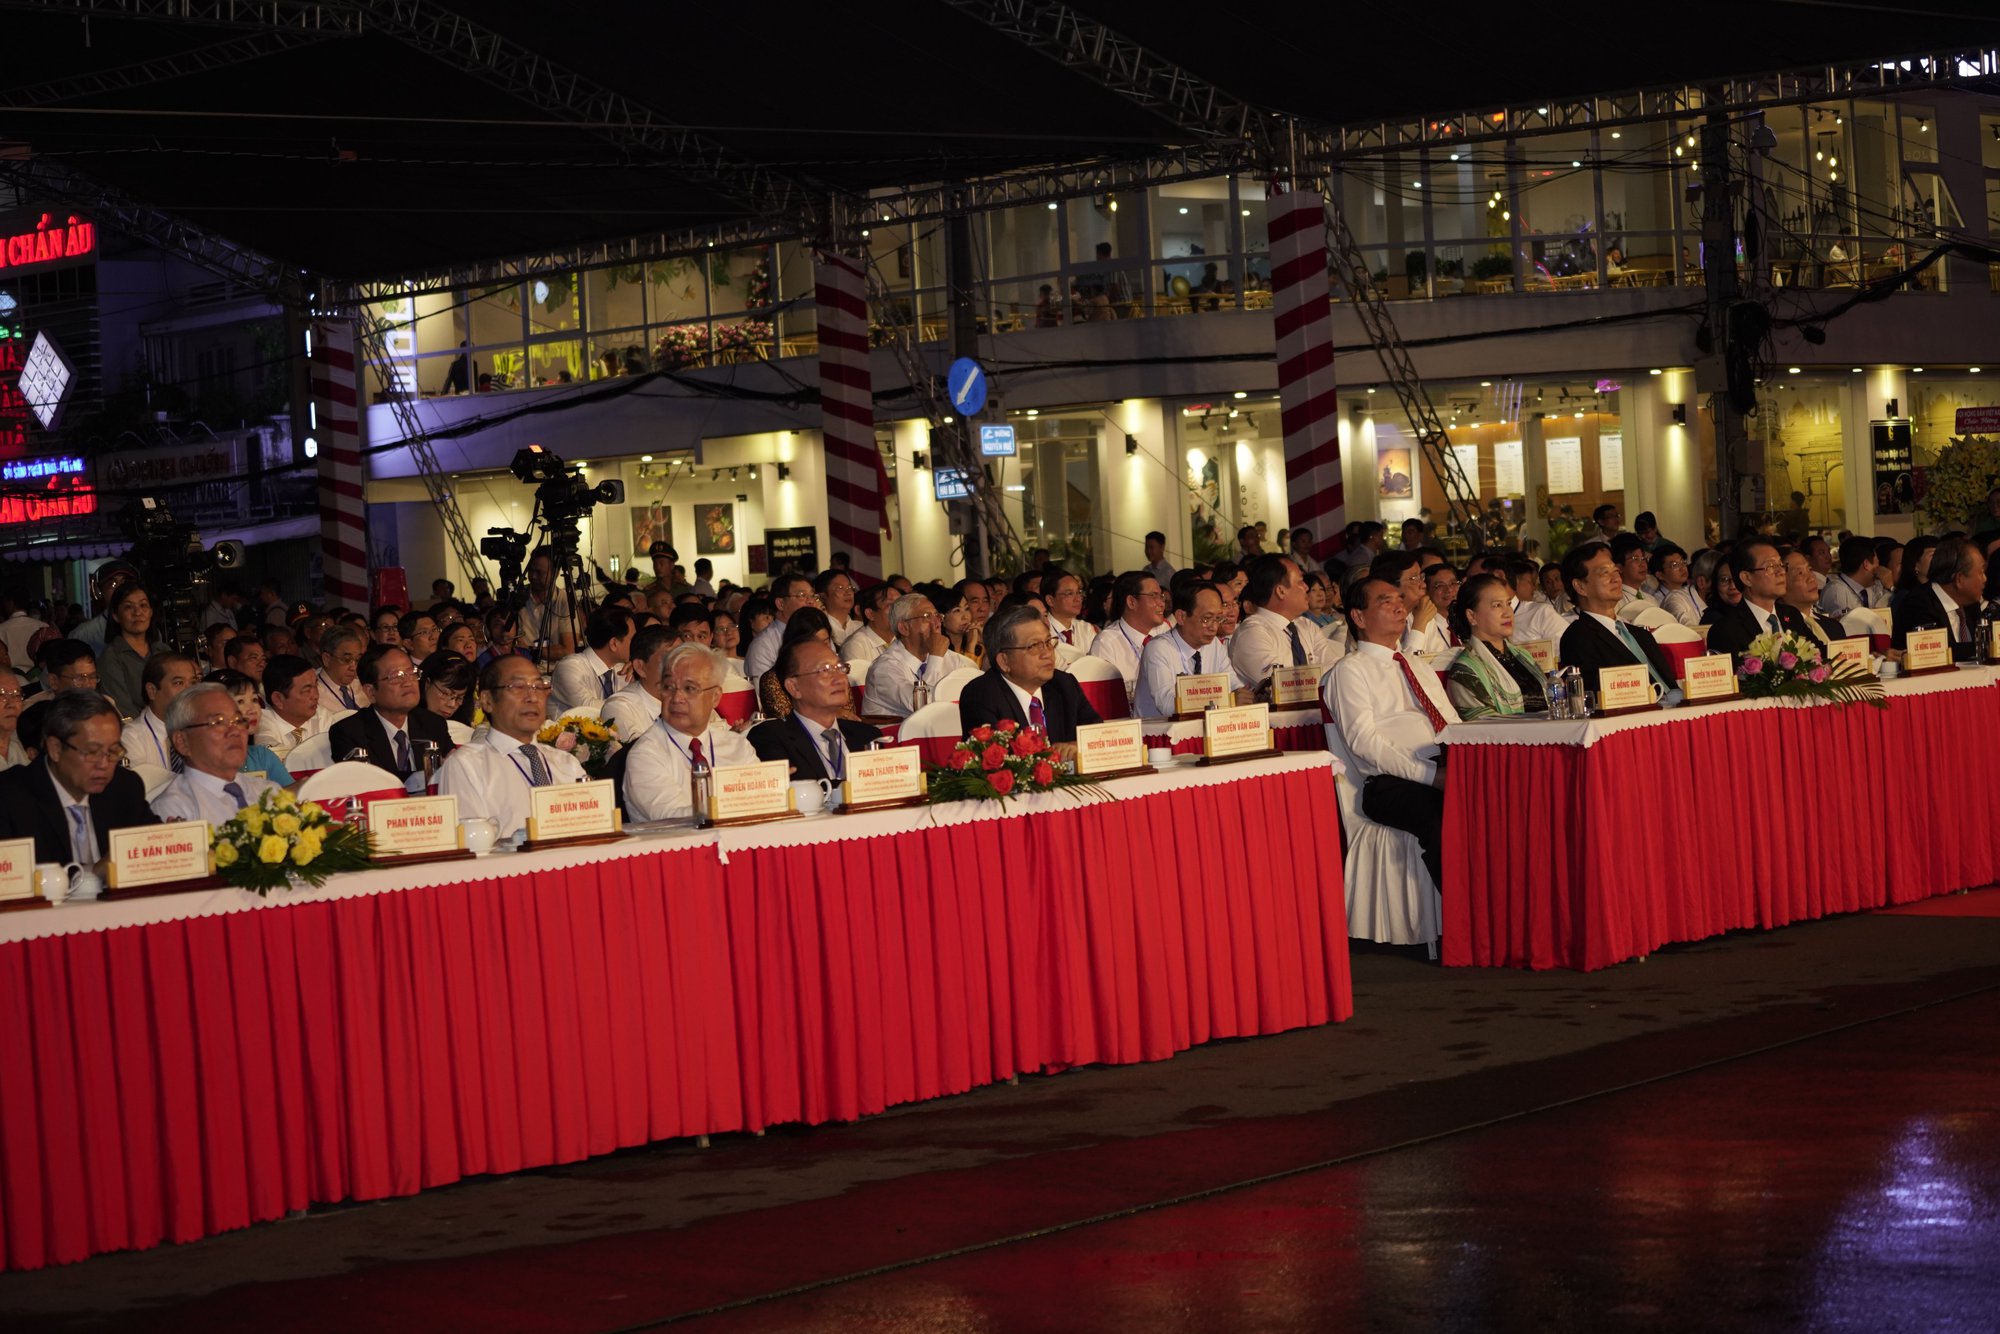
(212, 738)
(1024, 684)
(340, 649)
(494, 776)
(658, 764)
(76, 794)
(920, 657)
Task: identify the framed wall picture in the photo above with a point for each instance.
(1394, 481)
(715, 530)
(650, 524)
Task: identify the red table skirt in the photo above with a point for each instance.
(1562, 857)
(205, 1074)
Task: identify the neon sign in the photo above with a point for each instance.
(30, 470)
(50, 243)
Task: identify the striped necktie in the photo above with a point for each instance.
(538, 766)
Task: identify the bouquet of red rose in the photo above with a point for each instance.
(998, 762)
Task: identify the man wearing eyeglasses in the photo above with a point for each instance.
(789, 593)
(1191, 648)
(340, 649)
(1760, 572)
(637, 706)
(1024, 684)
(658, 765)
(147, 738)
(292, 688)
(492, 777)
(815, 740)
(393, 729)
(921, 656)
(1142, 610)
(211, 736)
(77, 793)
(1063, 592)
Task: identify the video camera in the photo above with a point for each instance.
(561, 495)
(175, 565)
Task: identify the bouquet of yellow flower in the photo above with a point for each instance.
(264, 846)
(589, 739)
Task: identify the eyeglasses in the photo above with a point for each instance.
(384, 678)
(686, 689)
(77, 681)
(1032, 646)
(11, 694)
(519, 687)
(921, 619)
(822, 671)
(449, 692)
(1770, 567)
(1155, 596)
(93, 754)
(238, 723)
(346, 659)
(1206, 622)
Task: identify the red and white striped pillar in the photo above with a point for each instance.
(857, 485)
(335, 428)
(1303, 324)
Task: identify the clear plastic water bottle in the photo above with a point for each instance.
(1557, 690)
(1573, 686)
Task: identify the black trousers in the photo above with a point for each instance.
(1414, 808)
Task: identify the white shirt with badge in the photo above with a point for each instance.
(492, 779)
(658, 765)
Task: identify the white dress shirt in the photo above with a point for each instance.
(657, 786)
(1840, 596)
(1633, 601)
(145, 740)
(1161, 571)
(1430, 639)
(540, 622)
(762, 655)
(16, 631)
(842, 629)
(1120, 645)
(1077, 636)
(1764, 616)
(280, 737)
(1261, 645)
(631, 711)
(1535, 620)
(863, 647)
(490, 778)
(330, 701)
(1386, 730)
(578, 680)
(1169, 657)
(891, 689)
(1685, 605)
(194, 795)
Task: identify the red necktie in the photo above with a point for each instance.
(1430, 709)
(1067, 637)
(1036, 718)
(694, 751)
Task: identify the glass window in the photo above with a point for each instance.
(554, 307)
(740, 279)
(1199, 286)
(615, 354)
(1919, 135)
(495, 315)
(557, 362)
(1253, 218)
(676, 290)
(1989, 141)
(1191, 222)
(1557, 206)
(1799, 426)
(1865, 183)
(615, 297)
(1024, 241)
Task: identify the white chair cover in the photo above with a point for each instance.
(1390, 897)
(310, 755)
(595, 709)
(1866, 621)
(349, 778)
(1673, 632)
(461, 733)
(154, 776)
(1654, 619)
(954, 685)
(932, 720)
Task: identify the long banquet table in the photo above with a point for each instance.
(1581, 844)
(177, 1066)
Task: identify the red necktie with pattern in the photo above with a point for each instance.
(1430, 709)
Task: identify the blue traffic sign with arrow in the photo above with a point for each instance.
(966, 383)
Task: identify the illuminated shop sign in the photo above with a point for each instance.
(51, 242)
(33, 470)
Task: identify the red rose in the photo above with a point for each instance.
(1045, 774)
(1024, 743)
(995, 756)
(1003, 781)
(1041, 743)
(1006, 725)
(961, 759)
(982, 733)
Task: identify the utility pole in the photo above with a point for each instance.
(1718, 239)
(961, 288)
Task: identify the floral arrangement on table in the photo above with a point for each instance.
(1001, 761)
(743, 334)
(587, 738)
(281, 841)
(680, 345)
(1955, 485)
(1791, 666)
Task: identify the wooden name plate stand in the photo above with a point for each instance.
(574, 841)
(23, 905)
(1267, 754)
(1933, 671)
(861, 807)
(414, 858)
(1654, 707)
(706, 823)
(195, 885)
(1712, 699)
(1139, 772)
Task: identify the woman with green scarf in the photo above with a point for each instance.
(1490, 676)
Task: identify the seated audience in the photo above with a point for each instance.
(658, 764)
(1598, 639)
(1192, 648)
(291, 687)
(1951, 598)
(448, 679)
(146, 738)
(818, 731)
(1490, 675)
(1535, 617)
(1063, 592)
(340, 650)
(584, 680)
(67, 664)
(493, 776)
(636, 707)
(1279, 633)
(1802, 594)
(77, 792)
(806, 623)
(1634, 562)
(12, 700)
(920, 658)
(212, 738)
(1024, 683)
(258, 758)
(391, 729)
(1140, 605)
(864, 645)
(1853, 585)
(1759, 571)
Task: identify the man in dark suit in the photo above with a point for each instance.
(1597, 638)
(1950, 602)
(70, 800)
(1759, 571)
(814, 739)
(391, 727)
(1023, 683)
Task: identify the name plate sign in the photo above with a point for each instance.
(1197, 694)
(157, 854)
(1927, 650)
(1710, 676)
(1625, 688)
(1543, 651)
(1109, 748)
(17, 870)
(413, 826)
(1292, 687)
(876, 777)
(1853, 650)
(1243, 730)
(571, 810)
(750, 792)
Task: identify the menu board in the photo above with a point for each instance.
(1468, 463)
(1510, 472)
(1611, 460)
(1565, 455)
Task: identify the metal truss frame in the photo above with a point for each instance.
(202, 60)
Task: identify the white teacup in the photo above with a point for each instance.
(84, 884)
(1160, 756)
(480, 834)
(810, 795)
(52, 879)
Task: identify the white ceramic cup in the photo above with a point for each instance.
(52, 879)
(1160, 756)
(810, 795)
(480, 834)
(84, 884)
